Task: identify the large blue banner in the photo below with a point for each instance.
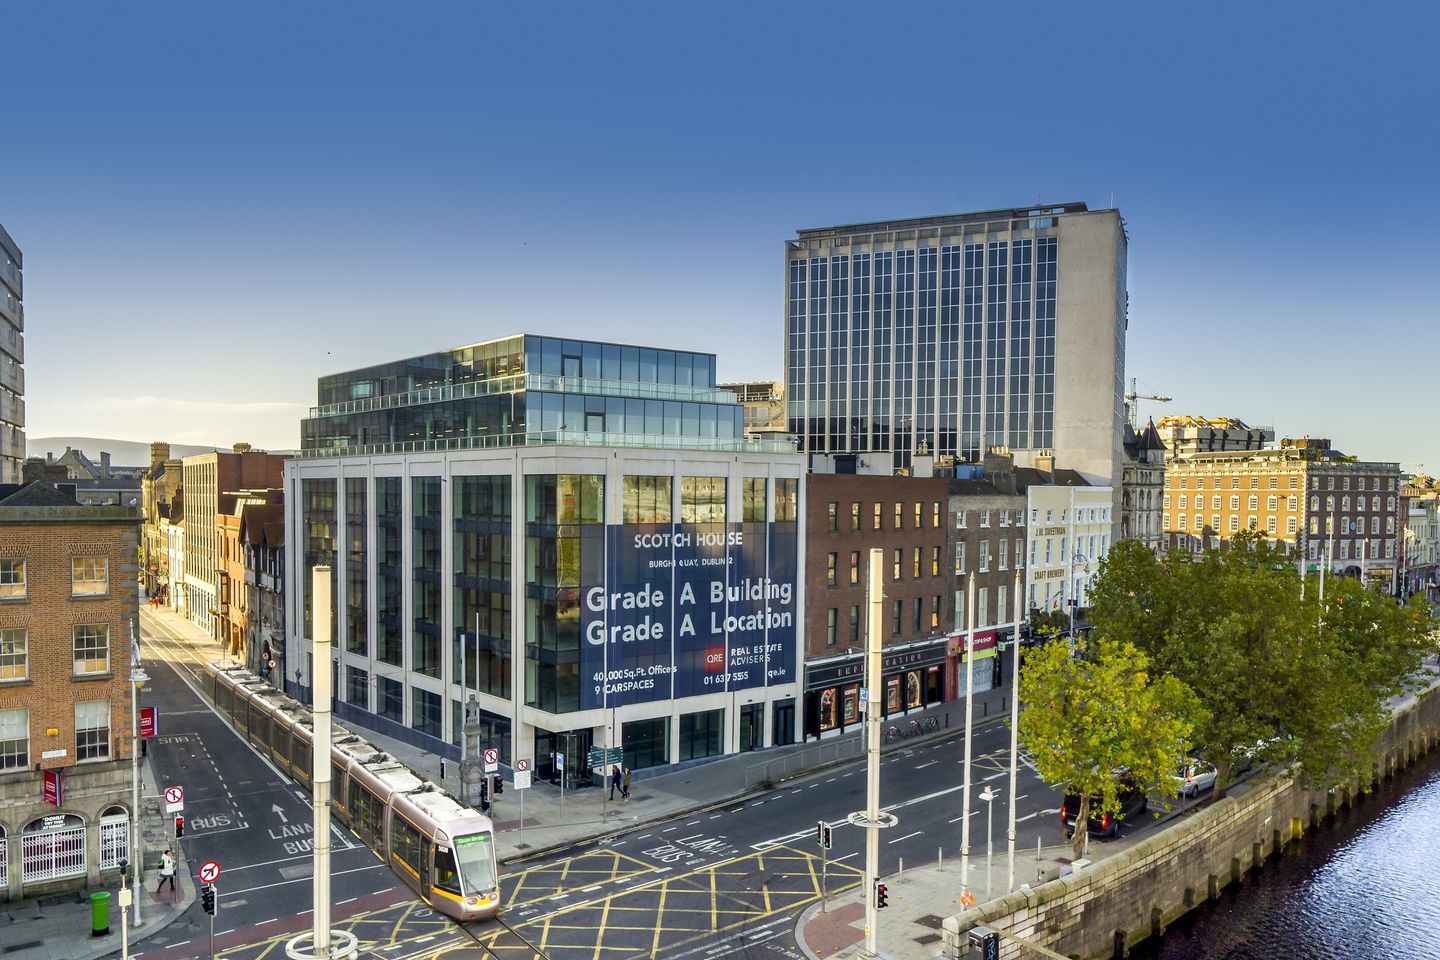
(688, 609)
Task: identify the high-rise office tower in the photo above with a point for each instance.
(959, 333)
(12, 362)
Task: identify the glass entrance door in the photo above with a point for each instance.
(752, 726)
(784, 722)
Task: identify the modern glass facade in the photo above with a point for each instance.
(937, 333)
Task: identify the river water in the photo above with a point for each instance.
(1365, 886)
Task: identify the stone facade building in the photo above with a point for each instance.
(1142, 487)
(160, 493)
(262, 538)
(68, 601)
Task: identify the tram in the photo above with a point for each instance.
(440, 848)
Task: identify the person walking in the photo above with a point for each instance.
(615, 781)
(625, 783)
(167, 872)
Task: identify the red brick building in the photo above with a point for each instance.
(68, 601)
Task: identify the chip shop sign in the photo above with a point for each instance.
(984, 640)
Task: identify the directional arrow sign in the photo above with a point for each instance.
(275, 809)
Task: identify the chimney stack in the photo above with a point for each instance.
(159, 452)
(1045, 461)
(104, 465)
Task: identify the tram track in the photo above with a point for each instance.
(515, 949)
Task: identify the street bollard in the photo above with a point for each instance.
(900, 874)
(940, 857)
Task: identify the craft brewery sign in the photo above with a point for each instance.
(689, 608)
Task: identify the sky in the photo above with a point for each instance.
(217, 204)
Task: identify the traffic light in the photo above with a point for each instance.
(499, 786)
(882, 895)
(822, 834)
(207, 898)
(484, 794)
(179, 826)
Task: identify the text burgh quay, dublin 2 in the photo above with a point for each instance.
(578, 534)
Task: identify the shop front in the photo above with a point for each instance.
(987, 665)
(913, 677)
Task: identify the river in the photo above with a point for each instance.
(1365, 886)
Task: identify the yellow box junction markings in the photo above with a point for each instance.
(772, 881)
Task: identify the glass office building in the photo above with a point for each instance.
(12, 360)
(954, 334)
(578, 535)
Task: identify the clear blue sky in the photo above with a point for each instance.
(218, 203)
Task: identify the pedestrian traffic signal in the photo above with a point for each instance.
(207, 898)
(179, 826)
(499, 785)
(822, 834)
(882, 894)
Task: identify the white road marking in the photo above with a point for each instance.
(924, 765)
(343, 902)
(906, 837)
(426, 939)
(590, 889)
(995, 776)
(847, 856)
(668, 829)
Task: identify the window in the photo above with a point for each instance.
(985, 518)
(754, 493)
(92, 730)
(935, 515)
(1001, 595)
(1004, 554)
(1254, 483)
(1329, 504)
(1167, 501)
(855, 624)
(1314, 527)
(1290, 525)
(1034, 546)
(1049, 544)
(702, 499)
(1345, 504)
(915, 564)
(830, 561)
(854, 566)
(895, 561)
(919, 612)
(14, 739)
(895, 613)
(1234, 523)
(1375, 503)
(984, 556)
(89, 576)
(12, 579)
(960, 557)
(935, 561)
(1215, 521)
(1234, 501)
(855, 516)
(919, 517)
(1389, 527)
(1182, 522)
(1270, 525)
(899, 515)
(1254, 502)
(1374, 524)
(92, 648)
(875, 522)
(646, 743)
(1274, 482)
(1292, 504)
(14, 654)
(1215, 502)
(961, 519)
(1004, 518)
(1183, 502)
(832, 516)
(786, 494)
(1272, 503)
(1344, 549)
(831, 616)
(982, 607)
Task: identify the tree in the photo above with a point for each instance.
(1049, 623)
(1281, 679)
(1091, 718)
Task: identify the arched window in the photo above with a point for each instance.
(114, 837)
(53, 848)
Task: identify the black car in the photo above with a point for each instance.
(1133, 802)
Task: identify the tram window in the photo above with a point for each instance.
(225, 700)
(259, 726)
(369, 816)
(301, 755)
(279, 738)
(405, 844)
(447, 874)
(477, 861)
(338, 782)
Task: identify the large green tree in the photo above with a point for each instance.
(1098, 714)
(1281, 678)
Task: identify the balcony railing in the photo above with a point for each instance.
(554, 438)
(527, 381)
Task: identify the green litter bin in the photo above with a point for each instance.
(99, 914)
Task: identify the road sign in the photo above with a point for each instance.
(522, 765)
(522, 779)
(174, 799)
(209, 870)
(864, 694)
(149, 722)
(967, 899)
(53, 790)
(492, 759)
(603, 756)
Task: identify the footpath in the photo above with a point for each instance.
(60, 930)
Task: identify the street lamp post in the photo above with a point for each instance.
(137, 849)
(969, 719)
(988, 795)
(1015, 720)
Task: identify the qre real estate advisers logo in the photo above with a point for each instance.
(715, 659)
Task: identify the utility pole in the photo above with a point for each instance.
(969, 720)
(1015, 718)
(871, 818)
(137, 844)
(324, 944)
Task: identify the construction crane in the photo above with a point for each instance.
(1132, 402)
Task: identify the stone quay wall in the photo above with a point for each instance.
(1104, 909)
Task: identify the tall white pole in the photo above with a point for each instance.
(1015, 717)
(969, 720)
(874, 682)
(137, 846)
(320, 756)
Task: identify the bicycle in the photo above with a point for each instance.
(931, 724)
(892, 734)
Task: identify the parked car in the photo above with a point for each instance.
(1194, 778)
(1133, 802)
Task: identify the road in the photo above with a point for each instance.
(241, 812)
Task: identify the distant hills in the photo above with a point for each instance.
(123, 453)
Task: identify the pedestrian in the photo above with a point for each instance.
(167, 872)
(625, 783)
(615, 781)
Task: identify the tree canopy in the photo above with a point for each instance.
(1280, 678)
(1097, 716)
